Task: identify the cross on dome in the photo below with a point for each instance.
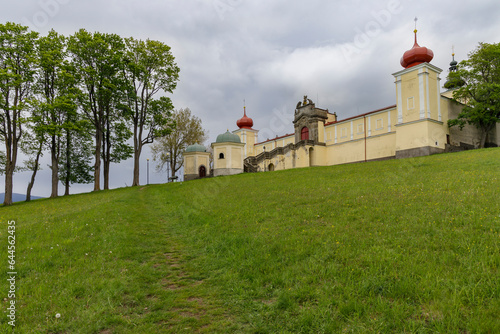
(417, 54)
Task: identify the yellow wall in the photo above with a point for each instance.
(418, 93)
(220, 163)
(236, 157)
(421, 134)
(299, 158)
(272, 144)
(232, 163)
(411, 97)
(193, 161)
(331, 117)
(377, 147)
(376, 124)
(249, 138)
(189, 167)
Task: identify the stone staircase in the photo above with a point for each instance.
(251, 163)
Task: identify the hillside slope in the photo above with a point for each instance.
(17, 197)
(394, 246)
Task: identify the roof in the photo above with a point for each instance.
(270, 140)
(196, 148)
(228, 137)
(362, 115)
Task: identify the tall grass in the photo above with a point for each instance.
(401, 246)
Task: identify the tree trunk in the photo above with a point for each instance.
(10, 164)
(483, 139)
(106, 173)
(8, 184)
(54, 168)
(137, 155)
(35, 170)
(172, 169)
(97, 156)
(107, 155)
(68, 162)
(484, 134)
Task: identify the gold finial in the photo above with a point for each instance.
(453, 50)
(416, 19)
(244, 108)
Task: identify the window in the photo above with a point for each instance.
(360, 128)
(304, 133)
(379, 124)
(221, 156)
(411, 104)
(343, 133)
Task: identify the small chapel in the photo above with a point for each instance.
(416, 125)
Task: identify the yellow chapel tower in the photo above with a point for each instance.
(247, 135)
(420, 128)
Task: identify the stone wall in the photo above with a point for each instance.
(418, 152)
(308, 116)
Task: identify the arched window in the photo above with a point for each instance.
(304, 133)
(221, 156)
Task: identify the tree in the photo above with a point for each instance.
(114, 147)
(17, 70)
(76, 153)
(32, 145)
(150, 68)
(98, 59)
(169, 149)
(55, 103)
(480, 75)
(115, 133)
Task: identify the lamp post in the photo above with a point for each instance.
(168, 169)
(148, 171)
(264, 158)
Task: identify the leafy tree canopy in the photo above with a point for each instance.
(168, 150)
(480, 92)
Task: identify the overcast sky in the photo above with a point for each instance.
(269, 53)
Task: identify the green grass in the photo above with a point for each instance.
(399, 246)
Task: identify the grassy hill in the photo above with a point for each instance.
(400, 246)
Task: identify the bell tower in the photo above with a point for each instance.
(420, 129)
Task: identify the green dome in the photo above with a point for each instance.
(228, 137)
(196, 148)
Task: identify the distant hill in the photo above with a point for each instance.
(17, 197)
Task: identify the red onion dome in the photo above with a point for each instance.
(416, 55)
(245, 122)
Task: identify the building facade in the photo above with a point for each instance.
(416, 125)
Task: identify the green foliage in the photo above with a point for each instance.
(2, 162)
(397, 246)
(76, 153)
(169, 148)
(17, 70)
(149, 68)
(119, 135)
(98, 61)
(51, 83)
(480, 75)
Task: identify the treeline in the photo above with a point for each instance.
(80, 98)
